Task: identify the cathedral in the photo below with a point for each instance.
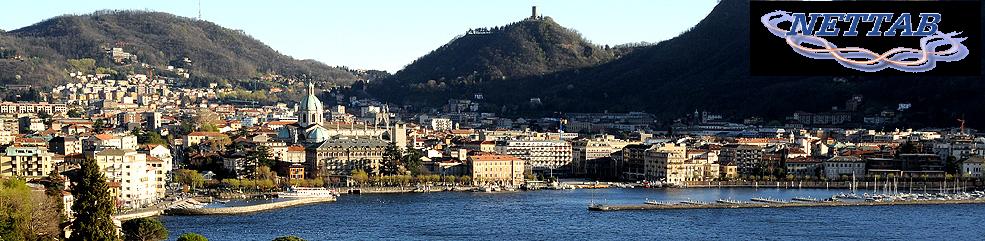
(335, 148)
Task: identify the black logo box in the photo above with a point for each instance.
(771, 56)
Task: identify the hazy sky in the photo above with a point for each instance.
(380, 34)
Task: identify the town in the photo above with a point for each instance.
(132, 135)
(153, 139)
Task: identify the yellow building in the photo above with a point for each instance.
(494, 169)
(28, 162)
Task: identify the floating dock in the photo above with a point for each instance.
(604, 207)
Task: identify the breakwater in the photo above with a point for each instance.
(604, 207)
(247, 209)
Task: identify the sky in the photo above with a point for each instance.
(389, 34)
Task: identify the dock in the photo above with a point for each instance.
(247, 209)
(627, 207)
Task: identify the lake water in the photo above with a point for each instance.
(563, 215)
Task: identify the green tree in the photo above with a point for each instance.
(264, 173)
(449, 179)
(191, 178)
(413, 162)
(192, 237)
(93, 205)
(360, 176)
(75, 113)
(288, 238)
(392, 160)
(152, 137)
(144, 229)
(99, 125)
(27, 215)
(232, 183)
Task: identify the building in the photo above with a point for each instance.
(441, 124)
(342, 155)
(152, 120)
(480, 146)
(26, 162)
(662, 162)
(198, 137)
(593, 148)
(804, 166)
(840, 167)
(107, 141)
(129, 168)
(26, 107)
(630, 162)
(748, 158)
(548, 157)
(495, 169)
(972, 167)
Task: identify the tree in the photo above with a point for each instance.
(75, 113)
(413, 162)
(152, 137)
(144, 229)
(392, 160)
(93, 205)
(288, 238)
(191, 178)
(206, 120)
(99, 125)
(360, 176)
(192, 237)
(264, 173)
(449, 179)
(27, 215)
(232, 183)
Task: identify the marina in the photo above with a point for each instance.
(837, 200)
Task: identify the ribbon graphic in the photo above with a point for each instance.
(902, 59)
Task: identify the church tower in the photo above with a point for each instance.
(311, 111)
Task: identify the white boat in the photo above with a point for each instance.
(307, 192)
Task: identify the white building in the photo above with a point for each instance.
(27, 162)
(541, 155)
(844, 166)
(972, 167)
(137, 180)
(661, 162)
(107, 141)
(442, 124)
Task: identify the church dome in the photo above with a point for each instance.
(311, 103)
(317, 134)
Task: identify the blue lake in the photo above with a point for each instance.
(563, 215)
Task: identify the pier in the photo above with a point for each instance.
(247, 209)
(626, 207)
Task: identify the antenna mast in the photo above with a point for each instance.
(199, 9)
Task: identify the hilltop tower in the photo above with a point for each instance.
(533, 12)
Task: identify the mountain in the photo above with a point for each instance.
(531, 47)
(707, 68)
(157, 39)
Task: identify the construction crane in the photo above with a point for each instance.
(962, 125)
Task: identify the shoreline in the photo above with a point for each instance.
(247, 209)
(630, 207)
